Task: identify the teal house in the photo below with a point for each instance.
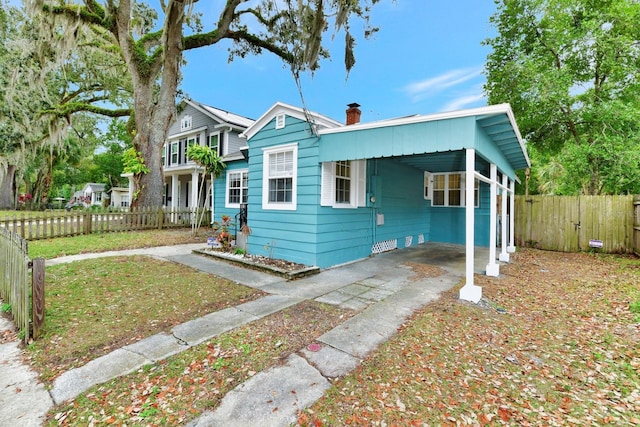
(323, 193)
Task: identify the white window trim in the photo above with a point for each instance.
(226, 193)
(175, 144)
(428, 185)
(358, 185)
(266, 152)
(186, 122)
(196, 141)
(219, 135)
(280, 121)
(446, 190)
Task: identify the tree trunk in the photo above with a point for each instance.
(154, 106)
(8, 188)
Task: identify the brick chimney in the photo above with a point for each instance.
(353, 114)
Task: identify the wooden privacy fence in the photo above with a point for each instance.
(26, 303)
(577, 223)
(49, 224)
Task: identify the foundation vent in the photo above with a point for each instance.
(384, 246)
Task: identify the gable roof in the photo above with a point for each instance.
(320, 121)
(93, 186)
(225, 118)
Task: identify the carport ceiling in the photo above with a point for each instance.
(503, 134)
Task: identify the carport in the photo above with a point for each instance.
(483, 145)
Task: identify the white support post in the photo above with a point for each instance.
(512, 217)
(194, 202)
(493, 269)
(504, 255)
(213, 198)
(175, 191)
(470, 292)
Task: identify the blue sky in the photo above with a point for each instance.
(426, 58)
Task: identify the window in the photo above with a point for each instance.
(237, 188)
(124, 201)
(438, 190)
(174, 153)
(214, 143)
(448, 190)
(427, 185)
(476, 193)
(280, 121)
(185, 123)
(344, 184)
(280, 166)
(188, 143)
(163, 160)
(455, 190)
(98, 196)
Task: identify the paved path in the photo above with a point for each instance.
(380, 288)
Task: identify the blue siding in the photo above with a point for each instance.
(448, 223)
(406, 212)
(284, 234)
(416, 138)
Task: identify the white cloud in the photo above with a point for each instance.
(462, 102)
(434, 85)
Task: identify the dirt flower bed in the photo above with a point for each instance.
(274, 262)
(556, 341)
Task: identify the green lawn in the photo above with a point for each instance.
(95, 306)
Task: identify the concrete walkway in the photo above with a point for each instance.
(380, 288)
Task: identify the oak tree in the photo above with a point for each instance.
(151, 42)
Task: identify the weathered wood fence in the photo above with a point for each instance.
(578, 223)
(26, 303)
(49, 224)
(636, 225)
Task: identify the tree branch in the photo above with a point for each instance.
(81, 13)
(63, 111)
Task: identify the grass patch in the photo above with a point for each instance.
(96, 306)
(5, 308)
(565, 349)
(183, 386)
(62, 246)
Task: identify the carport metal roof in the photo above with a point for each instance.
(435, 142)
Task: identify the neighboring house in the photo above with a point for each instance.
(204, 125)
(322, 193)
(93, 193)
(119, 197)
(197, 124)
